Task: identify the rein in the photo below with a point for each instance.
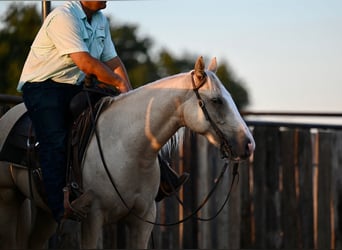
(225, 150)
(235, 174)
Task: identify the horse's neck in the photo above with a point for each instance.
(152, 113)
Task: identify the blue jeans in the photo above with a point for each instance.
(48, 107)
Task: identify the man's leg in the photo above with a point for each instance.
(170, 181)
(48, 106)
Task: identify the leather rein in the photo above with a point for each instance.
(225, 150)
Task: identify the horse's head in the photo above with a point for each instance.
(216, 115)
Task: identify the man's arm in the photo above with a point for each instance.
(119, 68)
(91, 66)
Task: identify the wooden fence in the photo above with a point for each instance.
(288, 195)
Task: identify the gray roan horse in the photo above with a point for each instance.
(132, 130)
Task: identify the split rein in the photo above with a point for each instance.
(225, 150)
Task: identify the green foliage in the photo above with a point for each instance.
(134, 52)
(235, 87)
(22, 22)
(169, 65)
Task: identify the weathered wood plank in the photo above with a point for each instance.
(337, 191)
(272, 168)
(233, 208)
(204, 229)
(246, 205)
(288, 197)
(305, 167)
(259, 194)
(190, 200)
(326, 142)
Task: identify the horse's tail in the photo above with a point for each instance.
(171, 147)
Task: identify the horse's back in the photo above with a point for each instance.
(8, 120)
(14, 132)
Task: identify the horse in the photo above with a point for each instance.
(120, 167)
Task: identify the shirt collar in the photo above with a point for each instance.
(79, 9)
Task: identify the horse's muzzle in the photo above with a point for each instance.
(241, 149)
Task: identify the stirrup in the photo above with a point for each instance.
(69, 211)
(167, 189)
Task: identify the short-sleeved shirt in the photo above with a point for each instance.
(65, 31)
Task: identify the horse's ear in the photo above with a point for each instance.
(213, 65)
(199, 69)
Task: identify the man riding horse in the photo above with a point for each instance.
(74, 41)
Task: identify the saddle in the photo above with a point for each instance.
(21, 146)
(81, 131)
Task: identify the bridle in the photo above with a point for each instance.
(225, 147)
(225, 150)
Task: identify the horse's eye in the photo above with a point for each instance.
(217, 100)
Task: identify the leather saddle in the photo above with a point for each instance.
(16, 145)
(21, 146)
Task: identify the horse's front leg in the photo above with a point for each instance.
(91, 230)
(139, 230)
(43, 227)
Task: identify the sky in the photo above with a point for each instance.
(288, 53)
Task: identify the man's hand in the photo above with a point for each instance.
(91, 66)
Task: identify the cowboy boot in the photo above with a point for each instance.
(170, 181)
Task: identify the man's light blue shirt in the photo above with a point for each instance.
(66, 30)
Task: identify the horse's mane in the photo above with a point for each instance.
(172, 145)
(163, 80)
